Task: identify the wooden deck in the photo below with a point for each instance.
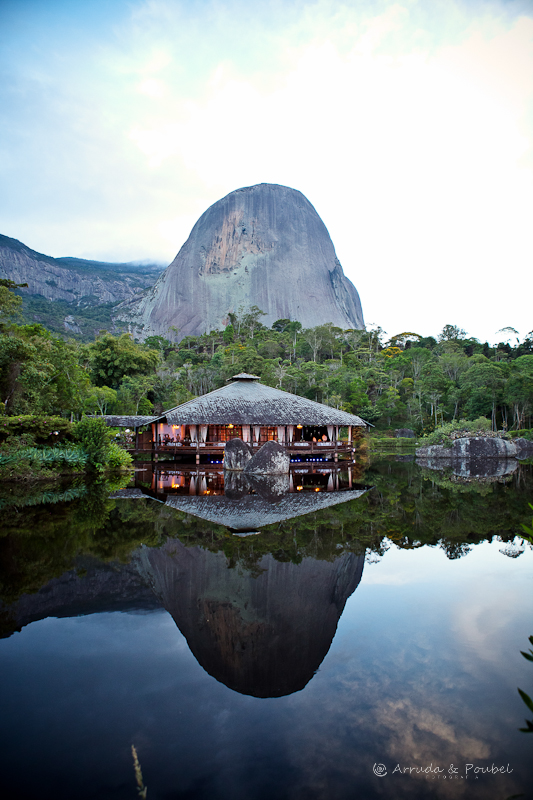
(194, 451)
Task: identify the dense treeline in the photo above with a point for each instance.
(405, 381)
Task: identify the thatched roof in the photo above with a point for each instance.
(114, 421)
(245, 401)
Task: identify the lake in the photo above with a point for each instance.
(347, 633)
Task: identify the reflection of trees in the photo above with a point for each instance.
(40, 542)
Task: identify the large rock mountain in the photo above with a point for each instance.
(262, 246)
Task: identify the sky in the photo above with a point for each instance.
(408, 125)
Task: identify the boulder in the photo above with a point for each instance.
(524, 448)
(270, 459)
(475, 447)
(404, 433)
(237, 454)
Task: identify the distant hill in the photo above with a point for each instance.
(72, 295)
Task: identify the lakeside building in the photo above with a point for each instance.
(246, 409)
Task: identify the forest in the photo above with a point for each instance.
(407, 380)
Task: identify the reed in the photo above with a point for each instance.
(142, 790)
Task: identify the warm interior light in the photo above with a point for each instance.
(317, 489)
(299, 426)
(230, 425)
(299, 488)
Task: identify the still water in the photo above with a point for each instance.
(345, 634)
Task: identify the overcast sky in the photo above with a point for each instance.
(408, 125)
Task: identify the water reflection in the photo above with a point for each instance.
(473, 468)
(263, 632)
(262, 629)
(245, 503)
(417, 667)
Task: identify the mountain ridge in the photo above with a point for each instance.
(60, 287)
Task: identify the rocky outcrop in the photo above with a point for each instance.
(524, 448)
(237, 455)
(262, 246)
(270, 459)
(71, 279)
(476, 447)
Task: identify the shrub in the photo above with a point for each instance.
(31, 461)
(118, 458)
(43, 429)
(95, 438)
(457, 429)
(522, 434)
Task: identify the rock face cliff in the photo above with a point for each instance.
(262, 245)
(74, 280)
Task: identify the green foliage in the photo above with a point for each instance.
(90, 316)
(43, 429)
(523, 434)
(133, 392)
(95, 438)
(10, 303)
(40, 373)
(229, 334)
(117, 458)
(72, 457)
(112, 358)
(447, 433)
(410, 381)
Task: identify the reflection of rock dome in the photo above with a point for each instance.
(260, 634)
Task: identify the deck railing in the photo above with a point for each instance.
(199, 447)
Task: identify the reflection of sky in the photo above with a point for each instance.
(423, 669)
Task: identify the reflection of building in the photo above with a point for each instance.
(246, 503)
(263, 633)
(262, 627)
(251, 411)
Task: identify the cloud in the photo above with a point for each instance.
(408, 128)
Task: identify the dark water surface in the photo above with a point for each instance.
(371, 628)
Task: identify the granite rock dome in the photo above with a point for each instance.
(262, 245)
